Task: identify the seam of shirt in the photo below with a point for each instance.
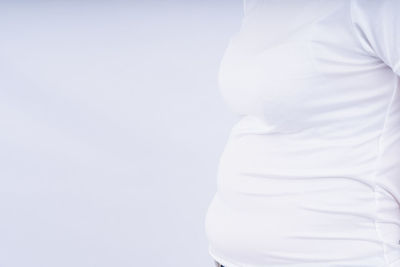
(356, 34)
(395, 94)
(376, 166)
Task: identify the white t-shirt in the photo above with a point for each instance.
(310, 174)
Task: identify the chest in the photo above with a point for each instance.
(296, 74)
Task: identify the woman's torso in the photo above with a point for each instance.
(310, 174)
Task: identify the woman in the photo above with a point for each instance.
(310, 175)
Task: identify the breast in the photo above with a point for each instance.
(293, 75)
(273, 83)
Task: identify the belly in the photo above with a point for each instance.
(258, 232)
(279, 202)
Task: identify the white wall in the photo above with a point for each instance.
(111, 126)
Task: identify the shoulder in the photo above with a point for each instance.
(377, 25)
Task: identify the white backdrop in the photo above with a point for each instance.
(111, 126)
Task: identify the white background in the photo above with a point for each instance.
(111, 127)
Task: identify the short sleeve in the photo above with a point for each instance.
(377, 26)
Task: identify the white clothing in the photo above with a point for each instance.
(310, 174)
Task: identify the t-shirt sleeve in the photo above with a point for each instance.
(377, 26)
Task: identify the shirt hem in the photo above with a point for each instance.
(221, 260)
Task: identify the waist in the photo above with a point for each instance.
(286, 230)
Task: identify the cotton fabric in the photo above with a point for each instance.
(310, 173)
